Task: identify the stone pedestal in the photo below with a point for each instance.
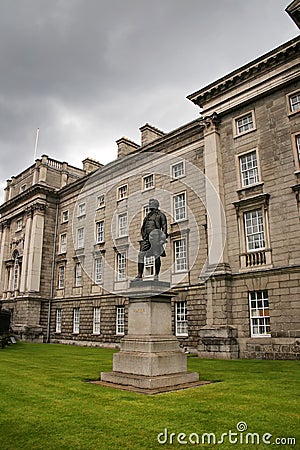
(150, 357)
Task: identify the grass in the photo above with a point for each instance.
(45, 405)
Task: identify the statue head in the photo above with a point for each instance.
(153, 203)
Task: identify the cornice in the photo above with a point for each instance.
(26, 195)
(250, 71)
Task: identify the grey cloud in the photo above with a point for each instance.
(87, 72)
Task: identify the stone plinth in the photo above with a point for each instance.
(150, 356)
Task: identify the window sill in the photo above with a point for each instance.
(244, 133)
(250, 187)
(293, 113)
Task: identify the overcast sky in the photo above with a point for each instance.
(87, 72)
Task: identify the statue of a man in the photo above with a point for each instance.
(154, 235)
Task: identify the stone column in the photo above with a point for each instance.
(214, 191)
(3, 247)
(35, 248)
(23, 286)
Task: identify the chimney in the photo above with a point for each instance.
(90, 165)
(149, 134)
(125, 147)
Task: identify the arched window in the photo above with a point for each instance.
(16, 271)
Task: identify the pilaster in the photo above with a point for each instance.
(35, 248)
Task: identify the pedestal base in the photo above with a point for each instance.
(150, 357)
(151, 383)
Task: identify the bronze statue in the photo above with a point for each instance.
(154, 234)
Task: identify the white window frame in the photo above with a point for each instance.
(76, 320)
(120, 320)
(97, 320)
(61, 277)
(98, 270)
(174, 175)
(81, 209)
(100, 232)
(16, 274)
(179, 211)
(121, 266)
(145, 211)
(181, 321)
(244, 128)
(249, 168)
(123, 225)
(123, 192)
(294, 107)
(296, 147)
(254, 229)
(149, 266)
(180, 255)
(19, 224)
(148, 185)
(100, 201)
(58, 320)
(259, 312)
(78, 274)
(63, 243)
(80, 239)
(65, 216)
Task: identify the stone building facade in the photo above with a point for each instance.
(228, 183)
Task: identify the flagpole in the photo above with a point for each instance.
(36, 143)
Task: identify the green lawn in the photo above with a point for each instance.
(44, 404)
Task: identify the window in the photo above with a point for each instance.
(80, 238)
(76, 320)
(254, 230)
(19, 224)
(96, 320)
(100, 232)
(120, 320)
(249, 169)
(122, 219)
(296, 145)
(63, 243)
(100, 201)
(78, 274)
(121, 266)
(148, 182)
(61, 277)
(81, 209)
(65, 216)
(146, 209)
(259, 313)
(180, 258)
(244, 123)
(98, 270)
(178, 170)
(149, 266)
(294, 101)
(122, 192)
(16, 273)
(58, 321)
(181, 324)
(179, 207)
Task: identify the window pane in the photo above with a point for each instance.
(254, 230)
(259, 313)
(180, 255)
(179, 207)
